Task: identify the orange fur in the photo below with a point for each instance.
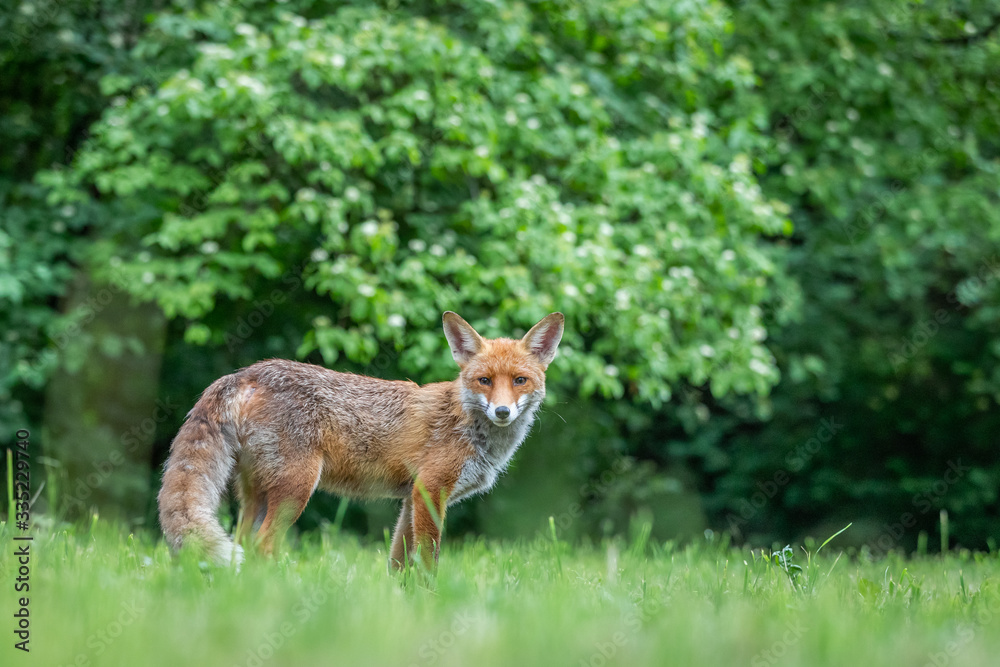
(282, 429)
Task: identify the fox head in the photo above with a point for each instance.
(503, 377)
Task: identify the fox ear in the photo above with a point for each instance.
(463, 340)
(544, 337)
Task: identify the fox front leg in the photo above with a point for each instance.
(429, 501)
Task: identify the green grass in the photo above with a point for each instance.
(102, 597)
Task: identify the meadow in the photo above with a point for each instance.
(100, 595)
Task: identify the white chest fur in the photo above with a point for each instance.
(495, 446)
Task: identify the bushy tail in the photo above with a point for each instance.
(200, 465)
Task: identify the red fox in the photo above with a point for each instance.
(282, 429)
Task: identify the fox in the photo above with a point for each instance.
(278, 430)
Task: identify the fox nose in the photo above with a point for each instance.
(503, 412)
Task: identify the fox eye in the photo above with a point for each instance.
(485, 381)
(520, 381)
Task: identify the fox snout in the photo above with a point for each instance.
(502, 415)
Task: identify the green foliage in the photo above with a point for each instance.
(886, 148)
(53, 56)
(496, 161)
(321, 180)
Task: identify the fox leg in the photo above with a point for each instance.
(287, 496)
(430, 498)
(402, 537)
(253, 502)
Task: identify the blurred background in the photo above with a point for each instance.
(774, 229)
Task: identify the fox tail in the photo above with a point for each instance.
(201, 462)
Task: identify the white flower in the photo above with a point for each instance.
(351, 193)
(707, 351)
(510, 117)
(250, 83)
(366, 290)
(369, 228)
(482, 151)
(338, 60)
(437, 250)
(571, 291)
(728, 255)
(148, 277)
(396, 320)
(319, 255)
(421, 96)
(759, 367)
(611, 371)
(533, 124)
(209, 247)
(678, 272)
